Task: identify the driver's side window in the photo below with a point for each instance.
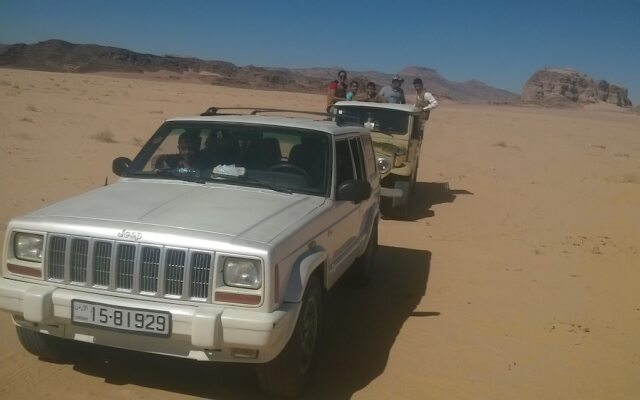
(349, 160)
(344, 162)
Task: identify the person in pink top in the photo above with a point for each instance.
(337, 90)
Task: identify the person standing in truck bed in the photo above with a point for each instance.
(394, 93)
(337, 90)
(371, 94)
(424, 99)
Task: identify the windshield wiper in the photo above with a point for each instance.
(252, 181)
(187, 177)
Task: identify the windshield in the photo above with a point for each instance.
(284, 159)
(378, 119)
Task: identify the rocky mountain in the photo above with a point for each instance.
(61, 56)
(565, 87)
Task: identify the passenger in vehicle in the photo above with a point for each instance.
(372, 94)
(263, 154)
(310, 155)
(247, 145)
(394, 93)
(220, 148)
(337, 90)
(424, 99)
(353, 90)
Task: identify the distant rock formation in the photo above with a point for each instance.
(565, 87)
(61, 56)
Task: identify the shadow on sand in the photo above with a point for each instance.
(427, 194)
(360, 329)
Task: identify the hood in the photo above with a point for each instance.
(387, 149)
(248, 213)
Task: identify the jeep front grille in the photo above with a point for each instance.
(79, 253)
(101, 263)
(124, 266)
(200, 274)
(129, 267)
(57, 247)
(149, 269)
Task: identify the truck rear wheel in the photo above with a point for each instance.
(290, 372)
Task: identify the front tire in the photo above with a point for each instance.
(42, 345)
(290, 372)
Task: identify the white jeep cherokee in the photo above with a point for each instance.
(218, 243)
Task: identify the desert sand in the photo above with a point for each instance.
(516, 275)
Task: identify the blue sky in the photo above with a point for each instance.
(499, 42)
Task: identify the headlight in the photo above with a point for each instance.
(28, 246)
(242, 272)
(383, 165)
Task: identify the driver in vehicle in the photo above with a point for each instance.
(188, 148)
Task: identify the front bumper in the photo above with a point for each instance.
(203, 332)
(399, 192)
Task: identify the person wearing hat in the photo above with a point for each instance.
(424, 99)
(393, 93)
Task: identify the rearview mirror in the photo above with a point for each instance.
(120, 165)
(353, 190)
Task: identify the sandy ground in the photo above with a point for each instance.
(517, 275)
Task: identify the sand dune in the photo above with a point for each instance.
(516, 276)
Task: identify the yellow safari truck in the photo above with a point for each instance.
(397, 131)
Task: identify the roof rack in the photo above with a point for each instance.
(255, 111)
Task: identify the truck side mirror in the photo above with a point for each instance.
(120, 165)
(354, 190)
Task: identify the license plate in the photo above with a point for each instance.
(132, 320)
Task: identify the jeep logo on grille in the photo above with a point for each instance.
(125, 234)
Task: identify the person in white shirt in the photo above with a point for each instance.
(424, 99)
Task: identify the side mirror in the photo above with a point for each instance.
(120, 165)
(354, 190)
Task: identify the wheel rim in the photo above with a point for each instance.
(308, 334)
